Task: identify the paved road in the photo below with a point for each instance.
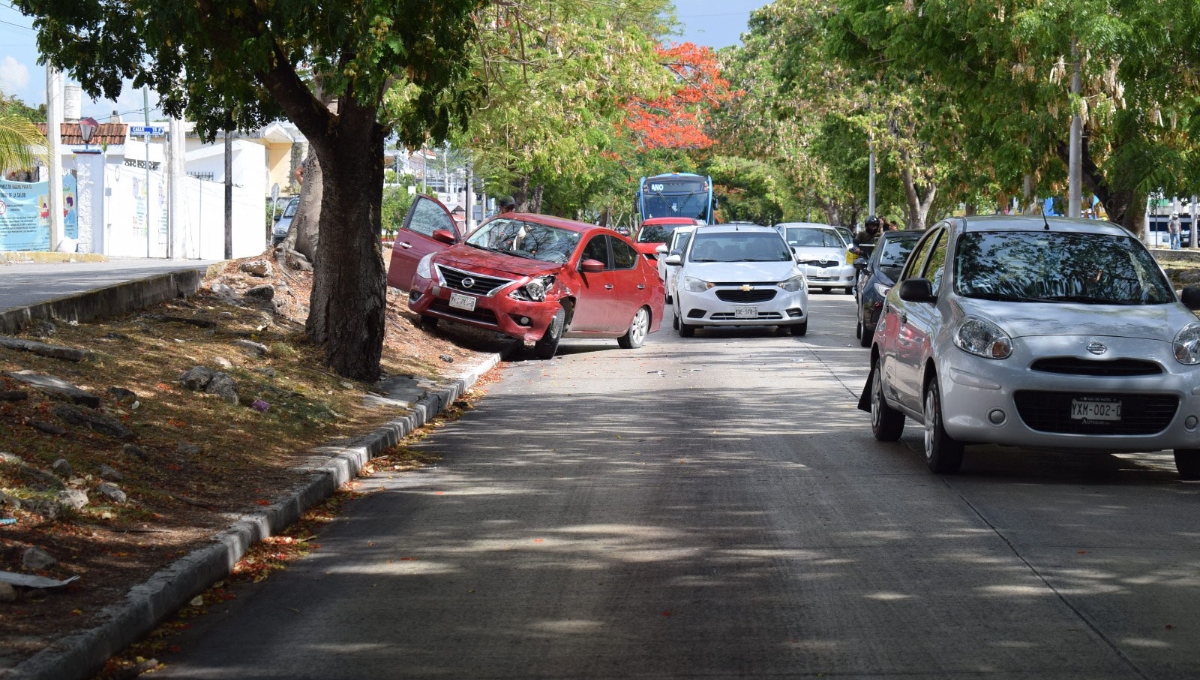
(23, 284)
(728, 517)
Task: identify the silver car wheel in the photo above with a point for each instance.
(932, 418)
(641, 322)
(876, 399)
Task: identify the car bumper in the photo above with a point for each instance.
(498, 313)
(1160, 411)
(707, 309)
(829, 276)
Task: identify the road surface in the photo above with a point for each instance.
(716, 508)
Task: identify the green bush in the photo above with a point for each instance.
(395, 206)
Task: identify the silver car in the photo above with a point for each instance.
(1060, 334)
(821, 254)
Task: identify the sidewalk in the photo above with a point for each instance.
(25, 284)
(81, 291)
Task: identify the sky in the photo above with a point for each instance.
(715, 23)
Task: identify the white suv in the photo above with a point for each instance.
(738, 275)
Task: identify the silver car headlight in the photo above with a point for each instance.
(694, 285)
(534, 291)
(983, 339)
(882, 289)
(1187, 345)
(793, 285)
(424, 268)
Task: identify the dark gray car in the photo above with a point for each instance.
(877, 275)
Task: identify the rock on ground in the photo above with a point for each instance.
(74, 499)
(223, 363)
(56, 388)
(259, 268)
(62, 468)
(93, 420)
(110, 473)
(111, 492)
(250, 346)
(263, 293)
(7, 593)
(197, 378)
(134, 450)
(36, 559)
(223, 386)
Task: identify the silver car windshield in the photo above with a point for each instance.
(736, 246)
(807, 237)
(526, 239)
(1058, 267)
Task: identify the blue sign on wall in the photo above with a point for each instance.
(25, 214)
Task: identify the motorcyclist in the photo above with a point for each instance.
(864, 241)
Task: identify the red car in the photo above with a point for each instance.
(533, 277)
(656, 231)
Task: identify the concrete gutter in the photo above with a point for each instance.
(110, 301)
(81, 655)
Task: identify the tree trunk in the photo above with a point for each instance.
(535, 202)
(521, 195)
(1126, 207)
(347, 311)
(918, 206)
(304, 232)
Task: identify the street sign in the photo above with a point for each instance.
(152, 130)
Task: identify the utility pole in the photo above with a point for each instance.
(175, 173)
(146, 139)
(470, 200)
(228, 195)
(54, 119)
(871, 182)
(1075, 166)
(1192, 240)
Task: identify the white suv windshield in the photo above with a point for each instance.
(807, 237)
(739, 247)
(1058, 267)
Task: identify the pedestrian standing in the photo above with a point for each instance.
(1174, 228)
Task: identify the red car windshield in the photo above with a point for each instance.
(529, 240)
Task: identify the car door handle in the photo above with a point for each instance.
(903, 318)
(608, 286)
(641, 286)
(405, 245)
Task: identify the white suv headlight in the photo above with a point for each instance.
(794, 284)
(983, 339)
(694, 285)
(424, 269)
(1187, 345)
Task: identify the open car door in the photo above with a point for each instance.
(428, 228)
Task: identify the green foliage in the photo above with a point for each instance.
(396, 201)
(21, 144)
(751, 190)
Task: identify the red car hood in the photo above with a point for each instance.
(495, 264)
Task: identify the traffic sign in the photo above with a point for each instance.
(152, 130)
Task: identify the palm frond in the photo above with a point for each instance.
(21, 144)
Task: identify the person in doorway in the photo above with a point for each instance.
(507, 205)
(1174, 229)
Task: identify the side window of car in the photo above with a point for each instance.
(920, 254)
(937, 261)
(597, 249)
(427, 217)
(624, 256)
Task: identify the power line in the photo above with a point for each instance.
(16, 25)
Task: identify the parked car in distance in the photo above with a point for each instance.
(656, 231)
(675, 246)
(876, 277)
(283, 221)
(1062, 334)
(738, 275)
(821, 253)
(536, 278)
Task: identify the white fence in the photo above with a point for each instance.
(202, 233)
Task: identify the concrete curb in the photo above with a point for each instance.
(80, 655)
(48, 257)
(116, 299)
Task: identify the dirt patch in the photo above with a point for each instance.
(193, 457)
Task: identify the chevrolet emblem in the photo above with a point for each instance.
(747, 287)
